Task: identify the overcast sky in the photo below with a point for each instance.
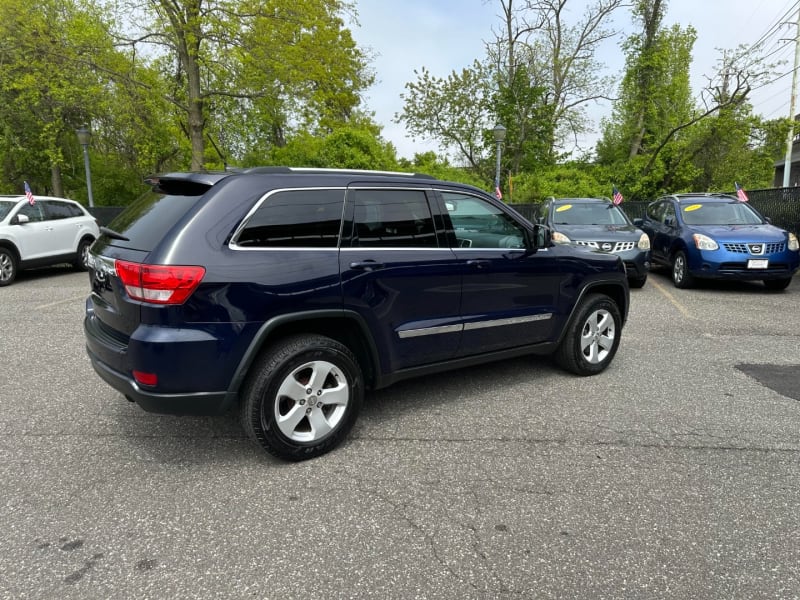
(447, 35)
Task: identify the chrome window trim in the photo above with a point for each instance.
(233, 245)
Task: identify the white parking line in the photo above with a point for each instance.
(65, 301)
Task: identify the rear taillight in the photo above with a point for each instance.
(159, 284)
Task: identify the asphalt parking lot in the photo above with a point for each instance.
(674, 474)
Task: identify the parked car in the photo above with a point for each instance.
(716, 236)
(599, 224)
(289, 292)
(48, 231)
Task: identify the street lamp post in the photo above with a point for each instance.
(499, 135)
(84, 136)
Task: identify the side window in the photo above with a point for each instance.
(32, 211)
(480, 224)
(58, 210)
(544, 211)
(669, 214)
(393, 219)
(295, 219)
(655, 212)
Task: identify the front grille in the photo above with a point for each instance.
(744, 248)
(615, 246)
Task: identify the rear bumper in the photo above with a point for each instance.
(190, 365)
(200, 403)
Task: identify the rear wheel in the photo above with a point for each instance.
(302, 397)
(680, 271)
(8, 267)
(81, 262)
(777, 284)
(592, 337)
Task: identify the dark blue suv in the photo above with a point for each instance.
(288, 293)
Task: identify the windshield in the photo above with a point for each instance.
(719, 213)
(5, 208)
(589, 214)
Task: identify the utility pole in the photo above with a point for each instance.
(787, 165)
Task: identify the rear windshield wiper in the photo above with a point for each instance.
(113, 234)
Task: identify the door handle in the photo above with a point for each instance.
(478, 263)
(366, 265)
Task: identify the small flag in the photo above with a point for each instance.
(617, 195)
(498, 194)
(29, 194)
(740, 193)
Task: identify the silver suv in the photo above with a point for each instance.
(45, 231)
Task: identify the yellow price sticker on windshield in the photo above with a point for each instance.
(692, 207)
(563, 208)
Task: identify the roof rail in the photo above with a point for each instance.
(321, 171)
(688, 195)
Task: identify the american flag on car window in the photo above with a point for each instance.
(617, 195)
(29, 194)
(740, 193)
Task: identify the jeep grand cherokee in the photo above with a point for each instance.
(288, 293)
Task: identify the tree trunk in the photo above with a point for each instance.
(56, 181)
(195, 116)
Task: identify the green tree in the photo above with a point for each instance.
(276, 62)
(46, 91)
(452, 111)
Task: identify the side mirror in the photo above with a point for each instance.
(768, 220)
(19, 220)
(541, 236)
(638, 222)
(669, 221)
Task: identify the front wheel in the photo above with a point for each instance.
(777, 284)
(302, 397)
(680, 271)
(8, 267)
(592, 337)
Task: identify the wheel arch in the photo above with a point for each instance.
(679, 245)
(346, 327)
(87, 237)
(615, 290)
(11, 246)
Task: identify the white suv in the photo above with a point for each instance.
(48, 231)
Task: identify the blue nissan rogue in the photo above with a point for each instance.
(287, 293)
(716, 236)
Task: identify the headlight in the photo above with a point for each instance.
(559, 238)
(644, 242)
(793, 245)
(703, 242)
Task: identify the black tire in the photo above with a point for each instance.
(592, 336)
(777, 285)
(81, 262)
(289, 365)
(8, 266)
(637, 282)
(681, 277)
